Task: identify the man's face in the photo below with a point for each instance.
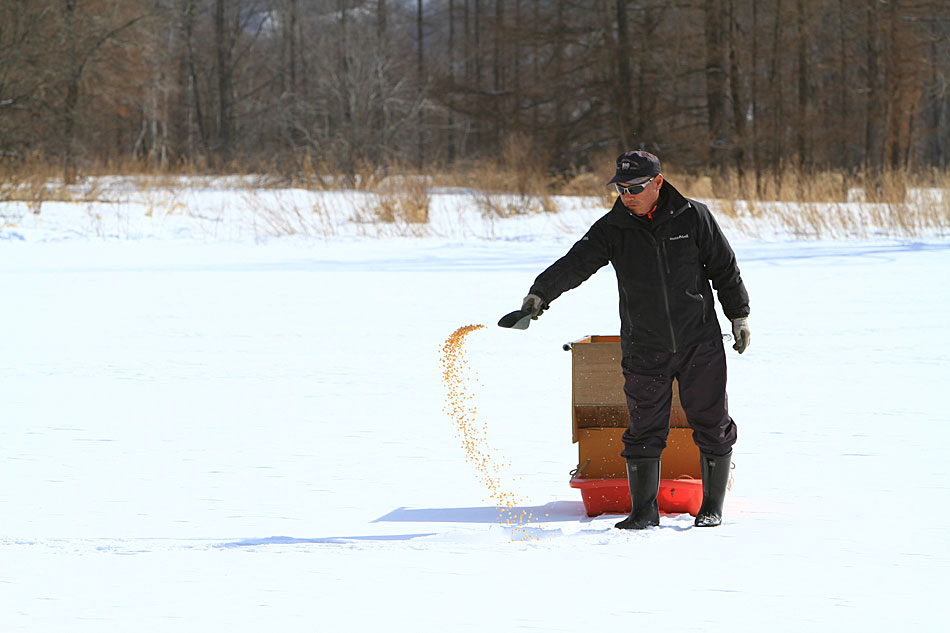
(642, 203)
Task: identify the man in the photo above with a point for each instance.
(665, 249)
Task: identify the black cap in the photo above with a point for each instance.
(635, 165)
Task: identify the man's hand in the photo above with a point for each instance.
(742, 333)
(533, 304)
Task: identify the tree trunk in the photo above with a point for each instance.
(873, 121)
(647, 82)
(803, 122)
(775, 90)
(420, 75)
(735, 90)
(896, 84)
(187, 25)
(535, 70)
(450, 122)
(477, 32)
(177, 107)
(622, 87)
(347, 149)
(938, 157)
(559, 124)
(844, 116)
(498, 80)
(516, 68)
(222, 38)
(754, 103)
(716, 82)
(292, 46)
(382, 50)
(72, 95)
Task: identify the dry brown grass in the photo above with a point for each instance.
(587, 184)
(514, 184)
(402, 199)
(280, 216)
(790, 185)
(899, 203)
(26, 182)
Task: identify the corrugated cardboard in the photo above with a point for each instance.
(599, 454)
(588, 416)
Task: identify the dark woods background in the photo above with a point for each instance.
(741, 85)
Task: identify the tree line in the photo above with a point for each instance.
(748, 86)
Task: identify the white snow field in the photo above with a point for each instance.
(209, 427)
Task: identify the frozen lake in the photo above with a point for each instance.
(246, 435)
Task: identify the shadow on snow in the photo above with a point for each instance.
(554, 511)
(329, 540)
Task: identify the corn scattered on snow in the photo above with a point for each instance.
(461, 408)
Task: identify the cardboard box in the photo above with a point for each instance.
(599, 455)
(600, 416)
(597, 387)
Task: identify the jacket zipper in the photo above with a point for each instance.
(664, 269)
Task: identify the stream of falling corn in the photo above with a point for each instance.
(461, 408)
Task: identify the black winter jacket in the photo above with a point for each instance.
(663, 268)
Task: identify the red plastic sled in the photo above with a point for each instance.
(612, 496)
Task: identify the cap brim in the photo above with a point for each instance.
(636, 180)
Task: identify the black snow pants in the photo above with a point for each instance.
(648, 385)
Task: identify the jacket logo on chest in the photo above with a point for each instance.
(679, 237)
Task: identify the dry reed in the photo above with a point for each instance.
(402, 199)
(820, 204)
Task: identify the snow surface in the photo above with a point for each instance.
(212, 424)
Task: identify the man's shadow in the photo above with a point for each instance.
(556, 511)
(553, 512)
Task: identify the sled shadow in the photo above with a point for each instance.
(549, 512)
(329, 540)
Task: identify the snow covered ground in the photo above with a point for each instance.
(209, 426)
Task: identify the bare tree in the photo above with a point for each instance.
(26, 72)
(84, 34)
(721, 83)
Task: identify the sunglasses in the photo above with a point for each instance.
(632, 190)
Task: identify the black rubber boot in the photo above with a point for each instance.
(643, 475)
(715, 472)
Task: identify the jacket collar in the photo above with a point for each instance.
(670, 204)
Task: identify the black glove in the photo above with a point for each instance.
(742, 334)
(533, 304)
